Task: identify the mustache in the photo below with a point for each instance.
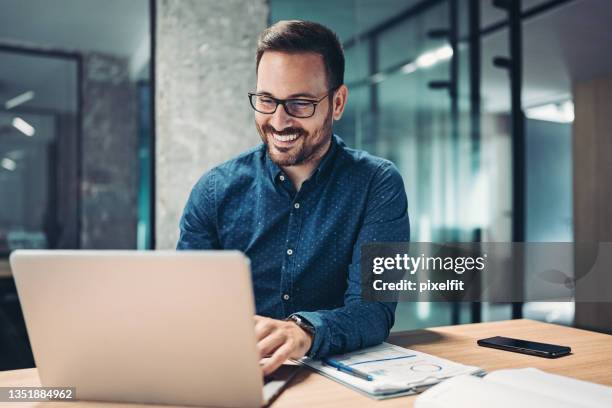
(284, 132)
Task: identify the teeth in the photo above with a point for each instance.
(287, 138)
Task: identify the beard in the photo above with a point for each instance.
(310, 146)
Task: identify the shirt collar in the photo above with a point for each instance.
(320, 172)
(326, 164)
(273, 170)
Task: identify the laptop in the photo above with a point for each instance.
(145, 326)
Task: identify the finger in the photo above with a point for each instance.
(263, 328)
(269, 344)
(260, 319)
(277, 359)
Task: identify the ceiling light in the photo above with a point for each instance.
(19, 100)
(552, 112)
(409, 68)
(24, 127)
(8, 164)
(444, 53)
(427, 59)
(379, 77)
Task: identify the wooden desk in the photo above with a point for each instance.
(591, 360)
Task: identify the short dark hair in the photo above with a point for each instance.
(298, 36)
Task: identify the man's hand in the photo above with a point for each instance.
(280, 340)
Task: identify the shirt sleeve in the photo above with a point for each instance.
(361, 323)
(198, 228)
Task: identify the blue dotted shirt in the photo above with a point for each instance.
(304, 245)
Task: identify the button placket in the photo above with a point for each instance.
(293, 232)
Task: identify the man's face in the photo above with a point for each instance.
(289, 140)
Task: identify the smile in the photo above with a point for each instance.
(285, 138)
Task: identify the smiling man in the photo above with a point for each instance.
(301, 205)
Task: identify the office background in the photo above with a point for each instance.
(496, 114)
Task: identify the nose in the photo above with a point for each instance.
(280, 119)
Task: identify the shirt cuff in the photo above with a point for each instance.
(320, 334)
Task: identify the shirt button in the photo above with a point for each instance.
(289, 252)
(285, 297)
(282, 178)
(296, 205)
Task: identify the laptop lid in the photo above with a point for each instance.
(137, 326)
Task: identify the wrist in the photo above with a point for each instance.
(308, 339)
(306, 329)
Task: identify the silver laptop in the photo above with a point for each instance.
(149, 327)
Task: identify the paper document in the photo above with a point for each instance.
(511, 388)
(396, 370)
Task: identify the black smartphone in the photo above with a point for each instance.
(526, 347)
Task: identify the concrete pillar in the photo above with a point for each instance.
(205, 65)
(109, 150)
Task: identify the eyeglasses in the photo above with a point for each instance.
(298, 108)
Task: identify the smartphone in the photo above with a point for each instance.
(526, 347)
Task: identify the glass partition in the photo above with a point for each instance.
(39, 122)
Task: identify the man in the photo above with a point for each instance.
(301, 204)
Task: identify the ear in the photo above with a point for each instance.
(339, 100)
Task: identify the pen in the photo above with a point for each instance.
(347, 369)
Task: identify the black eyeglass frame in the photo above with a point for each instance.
(284, 101)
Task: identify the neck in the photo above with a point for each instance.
(299, 173)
